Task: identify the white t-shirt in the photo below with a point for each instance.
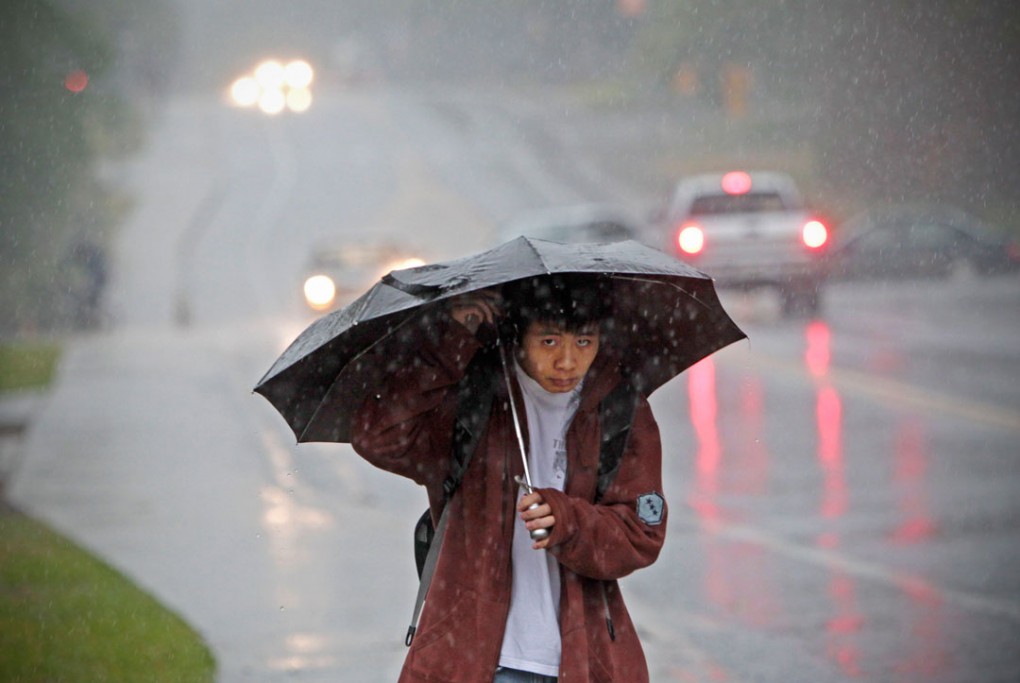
(531, 641)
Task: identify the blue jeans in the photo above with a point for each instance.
(505, 675)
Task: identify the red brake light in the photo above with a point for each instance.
(814, 234)
(690, 239)
(736, 182)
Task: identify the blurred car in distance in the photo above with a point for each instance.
(274, 87)
(917, 241)
(748, 230)
(338, 274)
(575, 224)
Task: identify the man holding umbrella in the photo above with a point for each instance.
(471, 375)
(525, 586)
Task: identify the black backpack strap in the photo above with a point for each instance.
(616, 413)
(474, 403)
(475, 393)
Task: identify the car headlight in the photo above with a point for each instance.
(320, 292)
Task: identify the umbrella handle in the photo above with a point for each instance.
(536, 534)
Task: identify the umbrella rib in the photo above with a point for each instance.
(538, 255)
(662, 282)
(360, 355)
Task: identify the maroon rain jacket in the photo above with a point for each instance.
(407, 428)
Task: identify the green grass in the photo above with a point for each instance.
(66, 616)
(27, 366)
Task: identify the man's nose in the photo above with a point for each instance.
(567, 358)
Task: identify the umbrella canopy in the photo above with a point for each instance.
(665, 317)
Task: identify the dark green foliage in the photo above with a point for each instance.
(51, 140)
(27, 366)
(908, 101)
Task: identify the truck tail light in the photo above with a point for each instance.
(814, 234)
(690, 239)
(736, 182)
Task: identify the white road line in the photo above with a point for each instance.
(998, 607)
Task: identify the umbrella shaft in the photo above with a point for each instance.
(517, 421)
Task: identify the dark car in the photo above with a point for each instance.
(920, 241)
(575, 224)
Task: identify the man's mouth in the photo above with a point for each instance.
(563, 383)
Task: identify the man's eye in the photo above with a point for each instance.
(549, 342)
(584, 342)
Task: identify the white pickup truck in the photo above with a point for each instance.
(749, 230)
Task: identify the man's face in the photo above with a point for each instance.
(558, 359)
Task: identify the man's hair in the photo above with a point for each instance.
(572, 301)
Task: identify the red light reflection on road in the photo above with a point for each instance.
(846, 620)
(924, 654)
(701, 392)
(752, 469)
(737, 575)
(911, 465)
(925, 657)
(845, 623)
(829, 414)
(818, 354)
(829, 422)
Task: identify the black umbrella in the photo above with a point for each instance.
(665, 317)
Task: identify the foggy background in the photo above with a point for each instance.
(842, 487)
(864, 103)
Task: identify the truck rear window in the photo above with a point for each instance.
(752, 202)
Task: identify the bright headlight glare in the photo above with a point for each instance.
(244, 92)
(270, 74)
(320, 292)
(299, 100)
(298, 74)
(272, 101)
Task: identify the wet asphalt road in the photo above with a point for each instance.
(843, 490)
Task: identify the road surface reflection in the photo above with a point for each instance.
(743, 577)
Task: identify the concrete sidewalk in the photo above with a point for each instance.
(131, 457)
(142, 451)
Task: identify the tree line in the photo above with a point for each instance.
(72, 73)
(909, 100)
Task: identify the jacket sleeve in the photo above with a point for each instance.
(405, 427)
(625, 530)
